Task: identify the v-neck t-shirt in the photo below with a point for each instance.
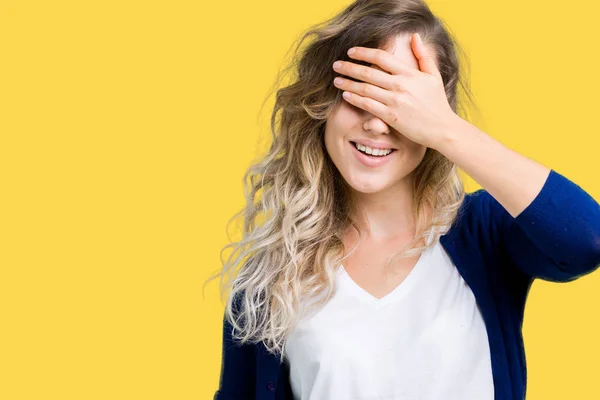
(425, 340)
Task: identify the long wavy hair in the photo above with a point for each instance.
(298, 204)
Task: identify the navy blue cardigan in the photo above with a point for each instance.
(556, 238)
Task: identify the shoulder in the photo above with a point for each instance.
(481, 204)
(480, 214)
(479, 225)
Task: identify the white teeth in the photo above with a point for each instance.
(374, 152)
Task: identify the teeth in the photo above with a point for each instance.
(374, 152)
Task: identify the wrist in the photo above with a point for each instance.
(449, 134)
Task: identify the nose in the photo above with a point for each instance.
(376, 125)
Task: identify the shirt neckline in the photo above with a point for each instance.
(399, 291)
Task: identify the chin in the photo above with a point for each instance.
(369, 185)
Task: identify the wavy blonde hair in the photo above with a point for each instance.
(298, 204)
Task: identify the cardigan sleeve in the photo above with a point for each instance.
(557, 236)
(237, 376)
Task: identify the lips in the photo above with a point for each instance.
(371, 161)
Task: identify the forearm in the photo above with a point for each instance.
(511, 178)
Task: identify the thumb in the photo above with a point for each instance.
(424, 56)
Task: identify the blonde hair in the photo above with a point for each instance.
(298, 204)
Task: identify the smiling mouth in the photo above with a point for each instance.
(378, 153)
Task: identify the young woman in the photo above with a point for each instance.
(365, 270)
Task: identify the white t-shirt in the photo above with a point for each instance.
(424, 340)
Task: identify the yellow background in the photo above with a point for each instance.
(126, 127)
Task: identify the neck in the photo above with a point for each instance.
(387, 213)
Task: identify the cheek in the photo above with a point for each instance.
(414, 157)
(333, 146)
(339, 125)
(347, 116)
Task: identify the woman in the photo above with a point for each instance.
(371, 274)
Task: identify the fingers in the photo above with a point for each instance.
(424, 56)
(365, 90)
(364, 73)
(385, 60)
(368, 104)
